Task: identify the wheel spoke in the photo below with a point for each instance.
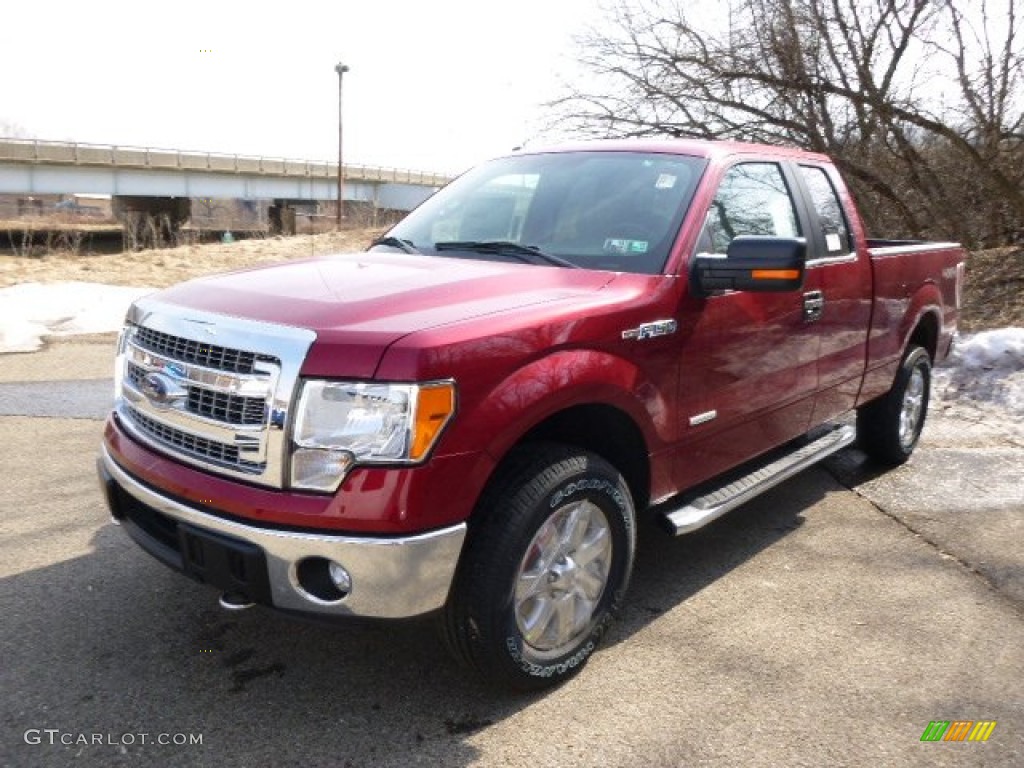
(565, 628)
(591, 583)
(575, 527)
(529, 584)
(536, 622)
(596, 547)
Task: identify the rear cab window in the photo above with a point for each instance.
(832, 231)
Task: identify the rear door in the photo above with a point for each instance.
(839, 282)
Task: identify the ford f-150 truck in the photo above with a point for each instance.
(468, 419)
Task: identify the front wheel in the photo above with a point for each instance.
(547, 562)
(888, 428)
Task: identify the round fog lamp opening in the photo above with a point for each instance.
(340, 577)
(322, 581)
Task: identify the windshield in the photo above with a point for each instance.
(617, 211)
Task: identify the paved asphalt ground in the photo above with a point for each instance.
(824, 624)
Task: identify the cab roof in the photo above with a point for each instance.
(692, 147)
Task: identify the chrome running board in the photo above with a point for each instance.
(700, 511)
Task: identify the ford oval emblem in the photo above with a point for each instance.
(160, 390)
(174, 369)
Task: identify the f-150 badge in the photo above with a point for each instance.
(650, 330)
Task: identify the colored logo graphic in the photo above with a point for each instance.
(958, 730)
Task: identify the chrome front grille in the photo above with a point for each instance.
(219, 406)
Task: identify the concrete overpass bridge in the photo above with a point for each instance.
(162, 182)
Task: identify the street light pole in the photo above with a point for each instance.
(341, 69)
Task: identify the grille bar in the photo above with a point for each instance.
(232, 409)
(183, 442)
(191, 351)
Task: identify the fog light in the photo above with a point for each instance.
(340, 577)
(318, 469)
(321, 580)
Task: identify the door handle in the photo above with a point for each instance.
(814, 306)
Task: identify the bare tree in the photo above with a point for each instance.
(13, 130)
(909, 96)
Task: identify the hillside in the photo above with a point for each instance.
(994, 294)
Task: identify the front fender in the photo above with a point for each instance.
(565, 379)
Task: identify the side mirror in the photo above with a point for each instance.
(753, 263)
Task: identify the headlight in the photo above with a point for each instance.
(342, 424)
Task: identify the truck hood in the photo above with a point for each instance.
(358, 304)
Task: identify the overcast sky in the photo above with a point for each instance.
(434, 84)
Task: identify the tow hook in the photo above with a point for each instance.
(235, 601)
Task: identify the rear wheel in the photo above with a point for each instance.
(547, 561)
(888, 428)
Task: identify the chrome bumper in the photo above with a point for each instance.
(391, 578)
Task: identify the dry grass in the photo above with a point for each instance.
(994, 292)
(60, 222)
(163, 267)
(993, 298)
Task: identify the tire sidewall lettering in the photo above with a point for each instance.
(515, 651)
(609, 489)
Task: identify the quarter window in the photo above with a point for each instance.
(835, 233)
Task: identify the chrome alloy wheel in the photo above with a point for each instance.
(562, 577)
(912, 408)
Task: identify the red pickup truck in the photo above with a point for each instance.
(468, 419)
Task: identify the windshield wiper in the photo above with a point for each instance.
(531, 254)
(396, 242)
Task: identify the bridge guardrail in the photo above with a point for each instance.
(36, 151)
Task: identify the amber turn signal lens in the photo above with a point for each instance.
(775, 274)
(435, 404)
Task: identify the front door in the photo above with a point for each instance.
(749, 375)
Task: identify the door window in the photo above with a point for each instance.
(753, 199)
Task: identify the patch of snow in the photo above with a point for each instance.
(986, 367)
(29, 312)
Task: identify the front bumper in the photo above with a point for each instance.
(391, 578)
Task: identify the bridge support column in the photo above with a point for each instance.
(151, 222)
(282, 218)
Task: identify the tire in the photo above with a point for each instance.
(546, 564)
(888, 428)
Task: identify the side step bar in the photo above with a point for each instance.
(702, 510)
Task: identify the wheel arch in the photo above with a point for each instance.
(607, 431)
(582, 398)
(925, 333)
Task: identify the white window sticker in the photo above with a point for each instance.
(665, 181)
(833, 243)
(616, 245)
